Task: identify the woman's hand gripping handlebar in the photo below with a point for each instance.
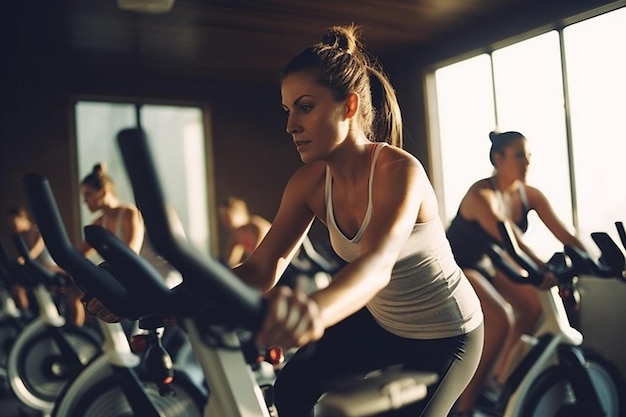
(523, 270)
(570, 263)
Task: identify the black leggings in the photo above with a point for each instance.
(358, 345)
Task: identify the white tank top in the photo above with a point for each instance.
(428, 297)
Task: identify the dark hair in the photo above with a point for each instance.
(343, 65)
(500, 141)
(98, 179)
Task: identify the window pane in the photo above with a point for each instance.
(529, 99)
(177, 141)
(597, 90)
(466, 116)
(176, 136)
(97, 125)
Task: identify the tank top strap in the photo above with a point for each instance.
(523, 223)
(524, 198)
(330, 215)
(118, 227)
(498, 194)
(378, 146)
(328, 184)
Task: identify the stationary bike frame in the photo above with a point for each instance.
(557, 343)
(50, 324)
(117, 361)
(12, 319)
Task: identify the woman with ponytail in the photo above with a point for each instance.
(125, 222)
(510, 309)
(401, 299)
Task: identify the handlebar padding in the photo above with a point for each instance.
(612, 261)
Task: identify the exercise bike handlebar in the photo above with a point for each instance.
(511, 246)
(41, 274)
(224, 291)
(521, 276)
(15, 272)
(138, 276)
(609, 265)
(90, 279)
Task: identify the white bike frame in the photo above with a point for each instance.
(557, 325)
(48, 317)
(234, 391)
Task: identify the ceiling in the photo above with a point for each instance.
(230, 39)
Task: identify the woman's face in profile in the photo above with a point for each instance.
(515, 159)
(315, 119)
(92, 197)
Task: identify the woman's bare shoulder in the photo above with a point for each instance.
(128, 211)
(397, 161)
(536, 198)
(309, 173)
(478, 194)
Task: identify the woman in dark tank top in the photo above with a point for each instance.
(504, 196)
(470, 241)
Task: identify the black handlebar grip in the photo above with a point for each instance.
(514, 273)
(509, 242)
(611, 263)
(132, 271)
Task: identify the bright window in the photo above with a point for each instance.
(529, 99)
(466, 116)
(597, 94)
(522, 87)
(176, 136)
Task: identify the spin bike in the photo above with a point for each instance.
(12, 318)
(231, 306)
(48, 353)
(556, 376)
(118, 382)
